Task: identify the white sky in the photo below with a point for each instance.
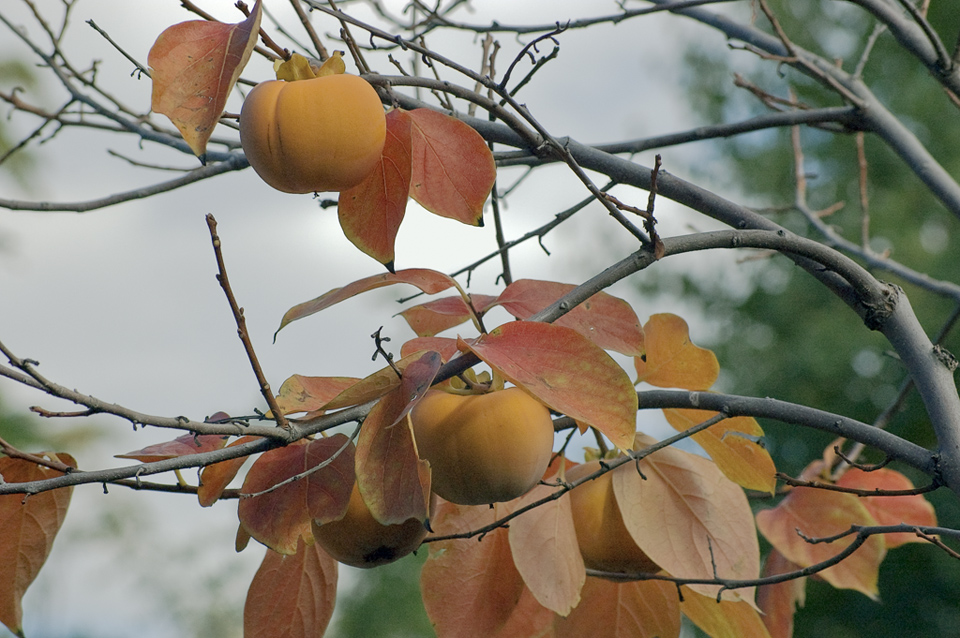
(122, 303)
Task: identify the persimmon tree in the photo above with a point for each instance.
(336, 468)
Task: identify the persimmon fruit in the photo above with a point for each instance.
(605, 543)
(319, 134)
(359, 540)
(483, 448)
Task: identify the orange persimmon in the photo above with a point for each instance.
(605, 543)
(359, 540)
(324, 133)
(483, 448)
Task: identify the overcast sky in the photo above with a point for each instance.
(122, 303)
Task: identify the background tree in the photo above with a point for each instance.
(892, 154)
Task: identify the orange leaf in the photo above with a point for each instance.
(428, 319)
(376, 385)
(529, 619)
(742, 460)
(726, 619)
(891, 510)
(280, 517)
(452, 168)
(307, 394)
(194, 67)
(180, 446)
(778, 602)
(371, 212)
(470, 586)
(567, 372)
(291, 596)
(429, 281)
(215, 478)
(672, 361)
(394, 482)
(711, 529)
(819, 514)
(446, 346)
(641, 609)
(545, 551)
(606, 320)
(30, 525)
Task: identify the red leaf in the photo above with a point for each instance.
(29, 526)
(180, 446)
(376, 385)
(429, 281)
(606, 320)
(370, 212)
(280, 517)
(452, 168)
(291, 596)
(470, 586)
(779, 601)
(215, 478)
(435, 316)
(445, 346)
(567, 372)
(194, 67)
(545, 551)
(891, 510)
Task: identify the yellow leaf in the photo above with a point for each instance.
(672, 360)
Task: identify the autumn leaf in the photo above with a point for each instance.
(726, 619)
(194, 66)
(309, 394)
(891, 510)
(742, 460)
(566, 371)
(672, 360)
(529, 619)
(545, 551)
(821, 514)
(452, 168)
(606, 320)
(428, 281)
(779, 601)
(393, 481)
(375, 385)
(180, 446)
(640, 609)
(371, 212)
(216, 477)
(711, 529)
(280, 517)
(470, 586)
(30, 525)
(291, 596)
(445, 346)
(432, 317)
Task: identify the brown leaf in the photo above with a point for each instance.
(545, 551)
(779, 601)
(726, 619)
(742, 460)
(640, 609)
(29, 526)
(280, 517)
(371, 212)
(180, 446)
(429, 281)
(216, 477)
(432, 317)
(470, 586)
(452, 168)
(891, 510)
(672, 360)
(606, 320)
(567, 372)
(194, 67)
(820, 514)
(291, 596)
(307, 394)
(711, 529)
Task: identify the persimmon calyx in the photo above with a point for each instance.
(299, 68)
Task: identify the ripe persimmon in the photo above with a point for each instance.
(359, 540)
(483, 448)
(319, 134)
(605, 543)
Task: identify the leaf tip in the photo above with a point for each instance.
(389, 266)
